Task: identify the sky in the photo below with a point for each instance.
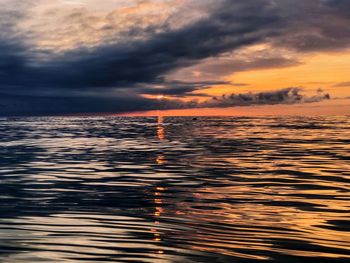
(178, 57)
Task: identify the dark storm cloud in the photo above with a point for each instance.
(18, 105)
(220, 67)
(341, 7)
(141, 64)
(230, 26)
(13, 53)
(180, 88)
(315, 25)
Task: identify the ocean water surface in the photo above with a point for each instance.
(173, 189)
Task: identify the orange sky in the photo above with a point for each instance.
(318, 70)
(118, 55)
(325, 108)
(322, 70)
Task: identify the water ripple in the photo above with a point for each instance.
(116, 189)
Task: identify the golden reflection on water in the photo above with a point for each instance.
(223, 188)
(276, 221)
(157, 200)
(160, 128)
(160, 160)
(158, 210)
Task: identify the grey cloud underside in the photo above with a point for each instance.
(141, 65)
(180, 88)
(39, 105)
(316, 25)
(144, 61)
(49, 105)
(213, 68)
(292, 95)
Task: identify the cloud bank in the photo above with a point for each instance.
(292, 95)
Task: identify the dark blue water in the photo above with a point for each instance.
(113, 189)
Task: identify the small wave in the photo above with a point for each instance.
(115, 189)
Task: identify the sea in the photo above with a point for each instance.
(175, 189)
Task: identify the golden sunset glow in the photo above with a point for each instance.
(316, 71)
(138, 56)
(166, 131)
